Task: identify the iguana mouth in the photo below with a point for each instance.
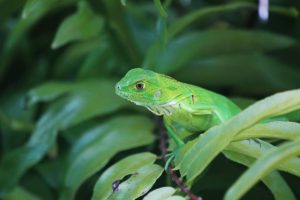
(162, 109)
(128, 97)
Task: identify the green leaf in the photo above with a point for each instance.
(159, 45)
(15, 124)
(196, 16)
(139, 183)
(160, 8)
(269, 72)
(74, 54)
(263, 166)
(53, 171)
(163, 193)
(123, 2)
(290, 11)
(84, 24)
(35, 7)
(96, 147)
(176, 197)
(106, 56)
(203, 44)
(90, 99)
(49, 91)
(124, 167)
(273, 181)
(12, 41)
(196, 155)
(255, 150)
(21, 193)
(202, 14)
(281, 130)
(280, 189)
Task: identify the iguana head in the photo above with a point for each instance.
(147, 88)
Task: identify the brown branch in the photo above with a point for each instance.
(174, 176)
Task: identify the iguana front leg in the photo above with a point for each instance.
(203, 109)
(172, 132)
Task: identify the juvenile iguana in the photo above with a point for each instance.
(182, 105)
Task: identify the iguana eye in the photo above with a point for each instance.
(139, 85)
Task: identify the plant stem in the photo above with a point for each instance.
(174, 176)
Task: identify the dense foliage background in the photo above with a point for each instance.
(62, 126)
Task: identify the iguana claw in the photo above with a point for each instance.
(169, 160)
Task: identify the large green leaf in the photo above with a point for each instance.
(84, 24)
(257, 149)
(39, 7)
(91, 98)
(196, 155)
(199, 16)
(74, 54)
(129, 165)
(21, 193)
(53, 171)
(138, 184)
(49, 91)
(273, 181)
(200, 45)
(14, 116)
(262, 167)
(96, 147)
(270, 74)
(202, 13)
(277, 129)
(163, 193)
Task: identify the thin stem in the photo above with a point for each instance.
(174, 177)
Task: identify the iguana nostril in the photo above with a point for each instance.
(118, 87)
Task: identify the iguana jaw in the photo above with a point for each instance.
(163, 109)
(126, 96)
(158, 109)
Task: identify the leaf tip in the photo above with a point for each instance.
(123, 2)
(55, 45)
(24, 15)
(229, 195)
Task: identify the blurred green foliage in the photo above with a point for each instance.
(66, 135)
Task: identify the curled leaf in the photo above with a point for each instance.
(82, 25)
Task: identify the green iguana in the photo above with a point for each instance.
(182, 105)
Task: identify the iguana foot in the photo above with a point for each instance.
(169, 160)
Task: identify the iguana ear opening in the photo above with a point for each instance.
(157, 94)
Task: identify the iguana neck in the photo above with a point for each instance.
(167, 108)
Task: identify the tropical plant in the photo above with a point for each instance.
(66, 135)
